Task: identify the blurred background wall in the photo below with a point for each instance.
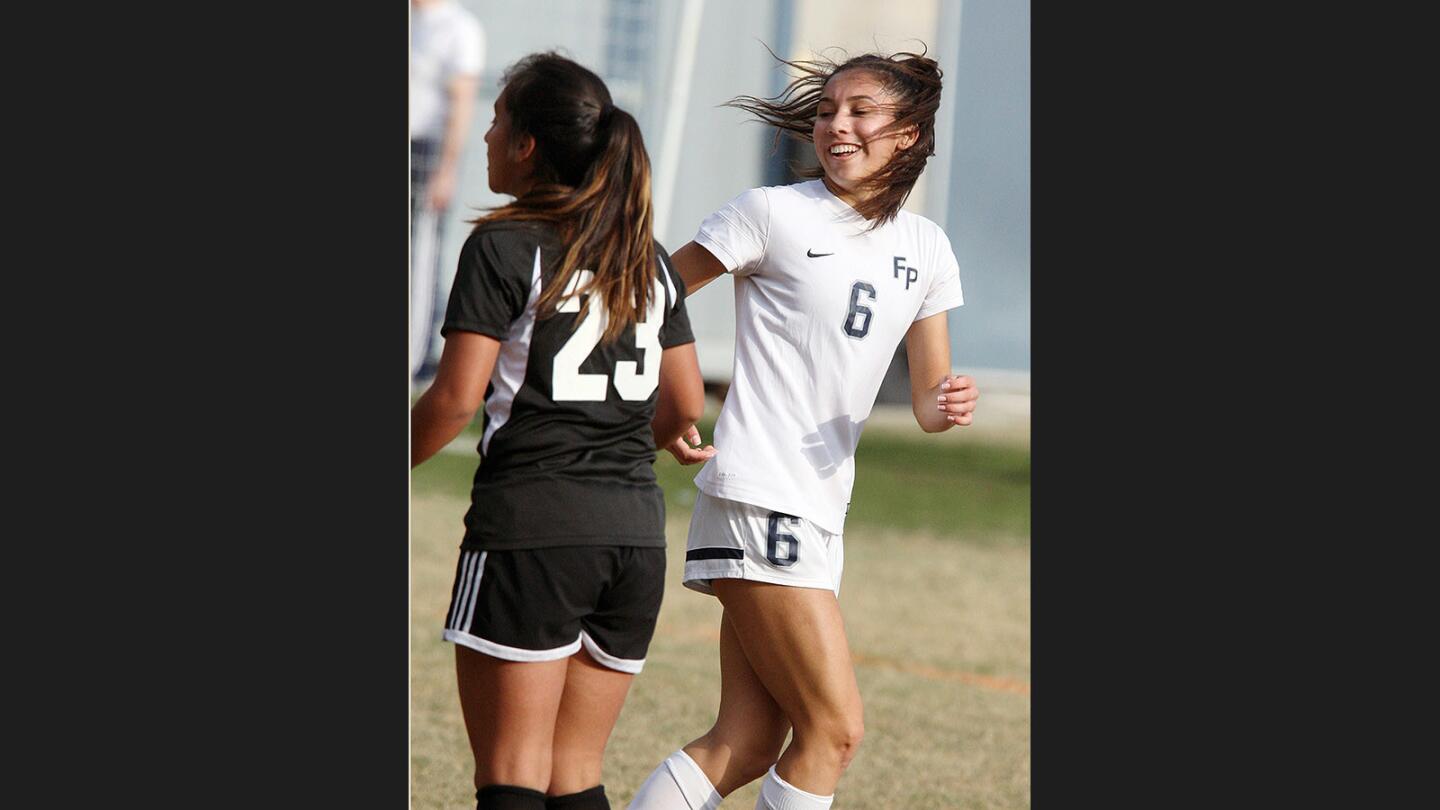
(673, 62)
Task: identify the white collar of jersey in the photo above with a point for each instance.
(816, 188)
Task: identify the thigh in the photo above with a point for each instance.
(510, 709)
(750, 726)
(794, 640)
(747, 710)
(592, 699)
(615, 638)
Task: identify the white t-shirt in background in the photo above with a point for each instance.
(820, 306)
(445, 41)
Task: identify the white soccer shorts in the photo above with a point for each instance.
(734, 540)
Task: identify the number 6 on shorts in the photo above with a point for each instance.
(781, 549)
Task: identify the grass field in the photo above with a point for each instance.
(936, 599)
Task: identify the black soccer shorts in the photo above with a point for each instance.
(543, 604)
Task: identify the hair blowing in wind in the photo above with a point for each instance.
(915, 82)
(593, 184)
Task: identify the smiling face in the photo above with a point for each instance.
(853, 108)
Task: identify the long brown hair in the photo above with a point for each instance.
(593, 184)
(913, 79)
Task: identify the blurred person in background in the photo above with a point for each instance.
(830, 275)
(568, 322)
(447, 52)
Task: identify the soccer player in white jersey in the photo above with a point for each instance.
(567, 322)
(830, 275)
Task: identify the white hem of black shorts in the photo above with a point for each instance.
(630, 665)
(510, 653)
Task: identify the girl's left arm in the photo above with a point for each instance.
(939, 399)
(449, 404)
(681, 402)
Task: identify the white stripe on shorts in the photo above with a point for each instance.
(463, 574)
(465, 596)
(475, 593)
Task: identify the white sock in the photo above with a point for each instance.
(676, 784)
(777, 794)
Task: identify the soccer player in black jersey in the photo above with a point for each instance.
(568, 323)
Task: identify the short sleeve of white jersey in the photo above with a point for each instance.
(944, 291)
(738, 232)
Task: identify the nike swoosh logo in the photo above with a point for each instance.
(812, 254)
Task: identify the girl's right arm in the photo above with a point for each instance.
(450, 403)
(696, 266)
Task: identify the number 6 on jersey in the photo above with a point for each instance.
(858, 309)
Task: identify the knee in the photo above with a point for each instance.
(529, 768)
(847, 740)
(837, 738)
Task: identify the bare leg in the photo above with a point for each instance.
(749, 728)
(794, 641)
(510, 709)
(589, 708)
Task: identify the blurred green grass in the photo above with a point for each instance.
(946, 484)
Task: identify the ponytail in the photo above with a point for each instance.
(594, 186)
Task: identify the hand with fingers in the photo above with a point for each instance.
(957, 398)
(687, 449)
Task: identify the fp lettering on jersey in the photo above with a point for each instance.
(911, 274)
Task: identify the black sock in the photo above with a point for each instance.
(508, 797)
(592, 799)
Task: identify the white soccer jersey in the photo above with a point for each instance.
(820, 305)
(446, 41)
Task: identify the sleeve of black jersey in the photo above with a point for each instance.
(676, 329)
(492, 284)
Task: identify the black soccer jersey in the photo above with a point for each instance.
(567, 451)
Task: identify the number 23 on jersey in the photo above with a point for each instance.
(568, 384)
